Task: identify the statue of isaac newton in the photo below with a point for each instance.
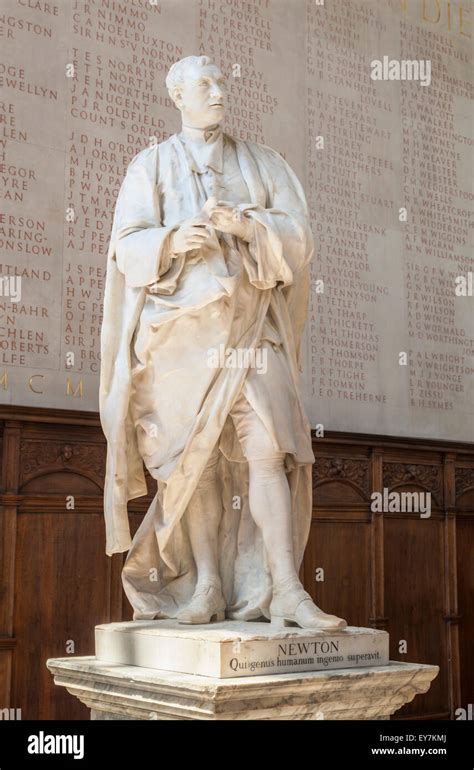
(205, 303)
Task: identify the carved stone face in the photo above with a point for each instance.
(201, 97)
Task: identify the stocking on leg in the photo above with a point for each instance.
(270, 506)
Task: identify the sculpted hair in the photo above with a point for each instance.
(177, 72)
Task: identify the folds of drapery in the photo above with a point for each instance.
(276, 262)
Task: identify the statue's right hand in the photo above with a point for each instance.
(192, 234)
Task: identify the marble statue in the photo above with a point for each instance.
(205, 303)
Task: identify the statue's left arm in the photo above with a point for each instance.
(281, 243)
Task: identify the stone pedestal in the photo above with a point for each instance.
(240, 676)
(130, 692)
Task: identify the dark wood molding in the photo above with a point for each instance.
(7, 643)
(76, 417)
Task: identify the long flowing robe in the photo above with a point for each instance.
(198, 305)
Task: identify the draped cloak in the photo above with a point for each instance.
(197, 307)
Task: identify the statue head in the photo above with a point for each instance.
(197, 86)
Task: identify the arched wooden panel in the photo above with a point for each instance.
(63, 483)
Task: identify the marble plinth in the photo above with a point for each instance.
(115, 691)
(237, 649)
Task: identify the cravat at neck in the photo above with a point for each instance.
(204, 155)
(202, 135)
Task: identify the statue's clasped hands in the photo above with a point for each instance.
(228, 219)
(215, 215)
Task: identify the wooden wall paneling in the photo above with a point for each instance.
(415, 576)
(8, 528)
(62, 592)
(341, 548)
(412, 576)
(339, 540)
(465, 579)
(464, 495)
(414, 595)
(451, 614)
(62, 575)
(377, 568)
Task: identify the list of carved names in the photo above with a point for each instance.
(83, 91)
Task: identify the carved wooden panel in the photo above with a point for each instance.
(412, 476)
(41, 458)
(335, 476)
(465, 487)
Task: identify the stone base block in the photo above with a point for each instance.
(235, 649)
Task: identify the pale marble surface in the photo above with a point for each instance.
(237, 649)
(210, 251)
(129, 692)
